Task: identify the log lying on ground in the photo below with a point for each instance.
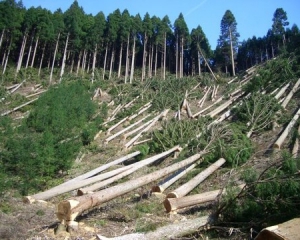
(161, 115)
(140, 111)
(202, 100)
(173, 204)
(167, 232)
(12, 86)
(162, 186)
(222, 107)
(296, 145)
(68, 210)
(186, 107)
(190, 185)
(126, 135)
(17, 87)
(129, 171)
(116, 125)
(208, 107)
(17, 108)
(282, 91)
(71, 184)
(125, 129)
(128, 104)
(286, 131)
(35, 94)
(232, 80)
(291, 93)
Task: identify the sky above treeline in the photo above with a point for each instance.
(253, 17)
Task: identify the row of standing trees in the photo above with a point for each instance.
(117, 44)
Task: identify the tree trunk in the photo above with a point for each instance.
(34, 51)
(208, 107)
(120, 61)
(21, 54)
(84, 60)
(112, 59)
(172, 231)
(132, 61)
(105, 59)
(173, 204)
(212, 73)
(291, 93)
(231, 50)
(78, 63)
(282, 91)
(68, 210)
(177, 47)
(6, 59)
(162, 186)
(42, 59)
(64, 60)
(155, 63)
(29, 53)
(181, 59)
(190, 185)
(144, 57)
(165, 56)
(94, 63)
(127, 59)
(1, 38)
(199, 63)
(16, 108)
(54, 56)
(286, 131)
(129, 171)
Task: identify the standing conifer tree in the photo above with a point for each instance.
(228, 40)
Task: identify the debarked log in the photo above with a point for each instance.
(173, 204)
(190, 185)
(68, 210)
(286, 131)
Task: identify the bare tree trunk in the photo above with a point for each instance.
(199, 63)
(1, 38)
(144, 58)
(132, 61)
(127, 59)
(54, 56)
(42, 59)
(155, 63)
(94, 63)
(7, 56)
(165, 56)
(177, 56)
(181, 59)
(29, 53)
(120, 61)
(105, 59)
(64, 60)
(78, 63)
(21, 54)
(34, 52)
(231, 50)
(112, 59)
(190, 185)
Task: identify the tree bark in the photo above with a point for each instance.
(21, 54)
(112, 59)
(42, 59)
(127, 59)
(64, 60)
(29, 53)
(190, 185)
(144, 57)
(68, 210)
(231, 50)
(286, 131)
(104, 64)
(54, 56)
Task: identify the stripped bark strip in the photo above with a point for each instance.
(190, 185)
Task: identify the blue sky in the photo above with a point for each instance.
(254, 17)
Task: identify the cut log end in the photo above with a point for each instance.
(172, 195)
(28, 200)
(276, 146)
(157, 189)
(168, 206)
(64, 209)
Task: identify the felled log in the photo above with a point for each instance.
(128, 104)
(35, 94)
(185, 107)
(143, 109)
(172, 179)
(202, 100)
(125, 129)
(162, 114)
(12, 86)
(126, 135)
(128, 171)
(190, 185)
(17, 87)
(282, 91)
(173, 204)
(232, 80)
(286, 131)
(296, 145)
(17, 108)
(171, 231)
(116, 125)
(208, 107)
(223, 106)
(68, 210)
(291, 93)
